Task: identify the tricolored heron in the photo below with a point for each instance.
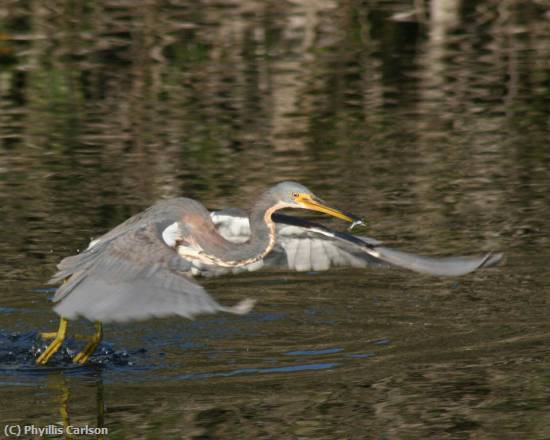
(144, 267)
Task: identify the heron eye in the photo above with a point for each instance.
(295, 195)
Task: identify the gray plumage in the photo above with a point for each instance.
(144, 267)
(130, 273)
(306, 246)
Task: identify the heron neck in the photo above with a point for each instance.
(262, 228)
(260, 243)
(262, 235)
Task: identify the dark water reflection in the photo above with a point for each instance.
(433, 122)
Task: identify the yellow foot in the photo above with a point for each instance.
(83, 357)
(46, 336)
(56, 343)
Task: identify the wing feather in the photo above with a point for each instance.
(303, 256)
(132, 276)
(304, 246)
(320, 260)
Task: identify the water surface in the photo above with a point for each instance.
(433, 123)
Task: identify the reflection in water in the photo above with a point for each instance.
(431, 120)
(57, 384)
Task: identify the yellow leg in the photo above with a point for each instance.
(85, 354)
(56, 343)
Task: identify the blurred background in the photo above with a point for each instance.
(431, 118)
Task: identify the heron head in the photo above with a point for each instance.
(295, 195)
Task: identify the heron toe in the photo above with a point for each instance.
(46, 336)
(84, 356)
(55, 344)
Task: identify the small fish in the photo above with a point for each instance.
(361, 222)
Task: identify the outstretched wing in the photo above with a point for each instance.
(305, 246)
(133, 275)
(299, 246)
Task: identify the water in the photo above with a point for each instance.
(433, 123)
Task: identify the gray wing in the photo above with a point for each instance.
(134, 275)
(300, 246)
(163, 212)
(306, 246)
